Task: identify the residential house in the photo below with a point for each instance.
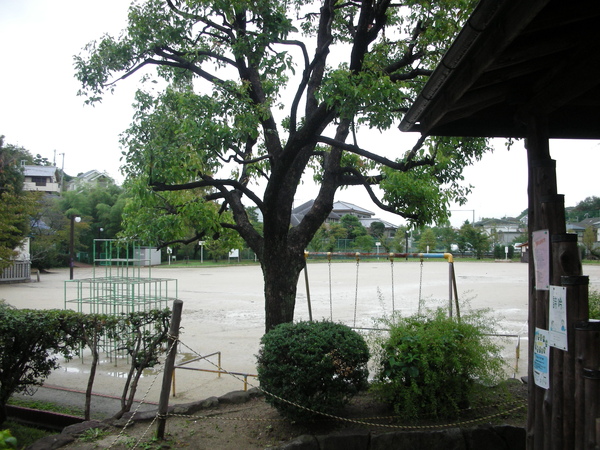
(504, 230)
(41, 178)
(91, 177)
(340, 209)
(580, 227)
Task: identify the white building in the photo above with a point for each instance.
(41, 178)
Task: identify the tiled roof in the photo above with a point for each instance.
(39, 171)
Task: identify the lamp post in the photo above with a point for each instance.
(406, 236)
(74, 218)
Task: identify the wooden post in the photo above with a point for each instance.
(567, 264)
(541, 183)
(577, 313)
(590, 335)
(163, 403)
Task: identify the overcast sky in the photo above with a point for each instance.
(39, 110)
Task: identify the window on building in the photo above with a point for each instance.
(39, 181)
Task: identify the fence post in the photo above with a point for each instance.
(163, 403)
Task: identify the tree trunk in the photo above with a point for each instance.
(3, 414)
(281, 271)
(95, 358)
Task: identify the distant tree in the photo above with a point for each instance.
(50, 235)
(352, 226)
(101, 207)
(400, 239)
(39, 160)
(364, 243)
(473, 239)
(428, 241)
(11, 175)
(588, 208)
(220, 245)
(446, 236)
(16, 205)
(377, 229)
(326, 237)
(589, 241)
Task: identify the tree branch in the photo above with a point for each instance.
(403, 166)
(358, 179)
(209, 182)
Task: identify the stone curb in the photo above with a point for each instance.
(503, 437)
(72, 432)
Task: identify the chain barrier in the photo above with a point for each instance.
(392, 267)
(355, 421)
(356, 289)
(330, 296)
(141, 402)
(420, 287)
(364, 422)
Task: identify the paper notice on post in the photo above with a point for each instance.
(541, 359)
(558, 317)
(541, 259)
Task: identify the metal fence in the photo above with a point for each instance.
(19, 271)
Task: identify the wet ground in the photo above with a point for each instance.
(223, 311)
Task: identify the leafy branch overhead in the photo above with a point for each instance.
(242, 102)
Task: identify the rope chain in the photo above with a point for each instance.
(330, 416)
(393, 305)
(330, 296)
(420, 287)
(345, 419)
(141, 402)
(356, 293)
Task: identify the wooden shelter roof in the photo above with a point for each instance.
(516, 59)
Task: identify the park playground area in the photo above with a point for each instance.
(223, 312)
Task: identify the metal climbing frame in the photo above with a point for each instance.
(121, 282)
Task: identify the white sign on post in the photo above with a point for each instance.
(558, 317)
(541, 259)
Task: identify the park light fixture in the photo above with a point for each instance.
(74, 218)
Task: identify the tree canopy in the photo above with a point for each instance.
(16, 206)
(252, 99)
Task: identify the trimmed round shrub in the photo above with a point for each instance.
(318, 365)
(429, 364)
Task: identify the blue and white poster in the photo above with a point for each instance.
(541, 359)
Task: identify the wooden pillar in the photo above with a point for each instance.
(591, 384)
(541, 184)
(554, 415)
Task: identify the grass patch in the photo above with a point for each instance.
(44, 406)
(24, 434)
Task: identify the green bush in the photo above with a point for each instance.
(428, 365)
(594, 304)
(7, 440)
(318, 365)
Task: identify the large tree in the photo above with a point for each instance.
(260, 95)
(16, 205)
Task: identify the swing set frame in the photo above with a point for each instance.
(452, 289)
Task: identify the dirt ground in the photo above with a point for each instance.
(223, 312)
(256, 425)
